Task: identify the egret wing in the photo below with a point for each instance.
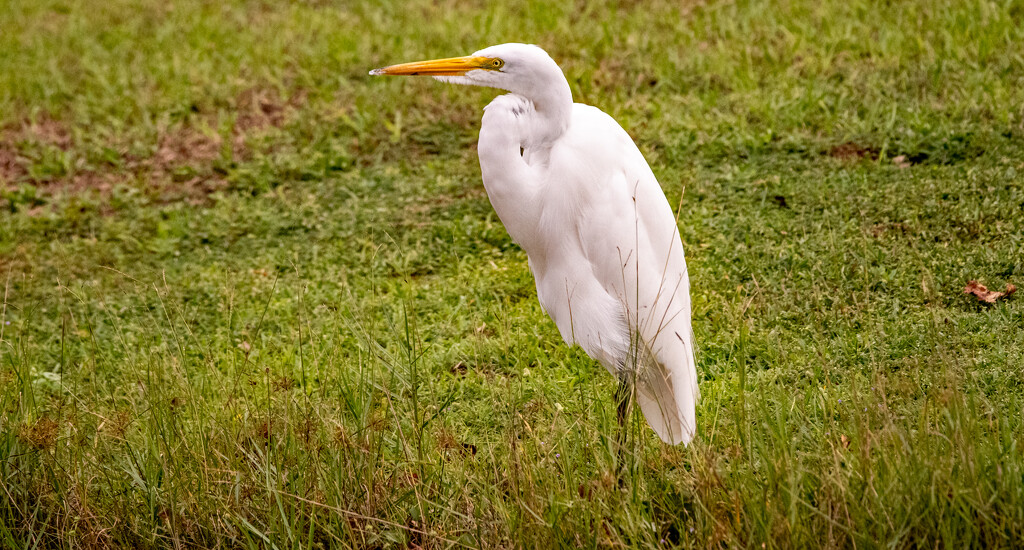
(629, 238)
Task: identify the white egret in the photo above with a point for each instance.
(576, 194)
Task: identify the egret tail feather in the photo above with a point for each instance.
(662, 398)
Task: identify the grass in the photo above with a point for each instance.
(255, 298)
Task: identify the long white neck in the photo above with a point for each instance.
(552, 100)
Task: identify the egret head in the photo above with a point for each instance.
(522, 69)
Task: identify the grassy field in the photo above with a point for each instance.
(253, 297)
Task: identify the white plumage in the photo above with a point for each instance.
(576, 194)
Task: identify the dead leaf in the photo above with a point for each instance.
(984, 295)
(901, 161)
(844, 440)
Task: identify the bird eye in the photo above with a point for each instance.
(497, 63)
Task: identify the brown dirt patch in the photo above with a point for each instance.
(85, 181)
(258, 108)
(181, 166)
(851, 151)
(889, 228)
(11, 166)
(51, 131)
(42, 129)
(184, 146)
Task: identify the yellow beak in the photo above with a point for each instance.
(452, 66)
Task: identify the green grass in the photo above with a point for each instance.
(256, 298)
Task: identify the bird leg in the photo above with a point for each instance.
(624, 399)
